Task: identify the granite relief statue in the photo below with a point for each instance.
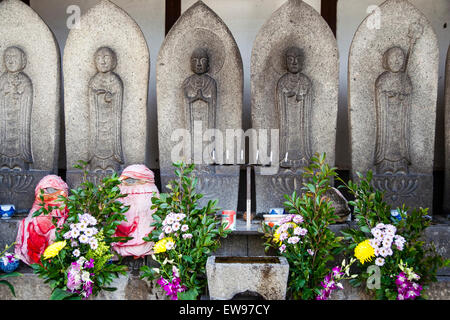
(16, 100)
(293, 106)
(200, 93)
(105, 113)
(393, 90)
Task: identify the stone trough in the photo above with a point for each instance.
(230, 276)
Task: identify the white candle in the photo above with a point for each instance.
(257, 155)
(270, 156)
(286, 157)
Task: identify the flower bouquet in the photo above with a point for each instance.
(184, 235)
(394, 260)
(8, 264)
(79, 263)
(303, 236)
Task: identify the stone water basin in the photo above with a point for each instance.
(230, 276)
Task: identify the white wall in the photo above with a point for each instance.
(350, 14)
(148, 14)
(244, 18)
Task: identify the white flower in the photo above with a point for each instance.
(82, 226)
(297, 231)
(88, 232)
(390, 229)
(380, 225)
(76, 253)
(74, 244)
(293, 240)
(84, 238)
(168, 229)
(387, 242)
(85, 276)
(340, 286)
(383, 252)
(184, 228)
(376, 251)
(283, 236)
(92, 221)
(72, 226)
(376, 232)
(81, 260)
(399, 247)
(187, 236)
(170, 245)
(379, 262)
(175, 271)
(373, 243)
(93, 243)
(169, 220)
(284, 227)
(176, 226)
(162, 235)
(303, 231)
(67, 235)
(75, 233)
(310, 252)
(389, 251)
(283, 248)
(298, 219)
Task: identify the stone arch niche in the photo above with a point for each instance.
(200, 82)
(392, 80)
(106, 68)
(294, 88)
(29, 103)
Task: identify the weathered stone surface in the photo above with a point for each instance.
(106, 69)
(210, 96)
(29, 102)
(294, 87)
(392, 101)
(227, 279)
(447, 135)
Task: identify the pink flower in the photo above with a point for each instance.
(293, 240)
(282, 248)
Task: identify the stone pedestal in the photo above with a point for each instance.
(294, 87)
(199, 85)
(392, 81)
(29, 103)
(106, 70)
(229, 276)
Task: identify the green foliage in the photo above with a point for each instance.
(102, 202)
(306, 270)
(189, 254)
(370, 209)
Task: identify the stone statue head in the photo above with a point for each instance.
(200, 61)
(105, 59)
(15, 59)
(394, 59)
(295, 58)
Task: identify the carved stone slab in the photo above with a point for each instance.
(393, 78)
(447, 135)
(294, 87)
(200, 80)
(29, 102)
(106, 68)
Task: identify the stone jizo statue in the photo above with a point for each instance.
(294, 102)
(393, 106)
(105, 113)
(16, 100)
(200, 92)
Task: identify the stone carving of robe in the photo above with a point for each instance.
(105, 117)
(16, 100)
(35, 234)
(140, 215)
(294, 99)
(393, 104)
(200, 93)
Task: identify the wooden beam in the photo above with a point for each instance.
(328, 10)
(173, 12)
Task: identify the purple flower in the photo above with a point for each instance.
(337, 271)
(89, 264)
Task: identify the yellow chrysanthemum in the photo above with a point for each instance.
(161, 245)
(364, 251)
(53, 249)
